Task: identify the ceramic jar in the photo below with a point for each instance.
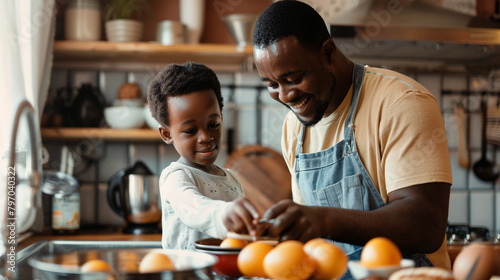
(83, 20)
(192, 14)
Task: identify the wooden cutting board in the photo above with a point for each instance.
(263, 174)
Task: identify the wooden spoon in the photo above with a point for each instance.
(463, 155)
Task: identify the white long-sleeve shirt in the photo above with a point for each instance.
(194, 203)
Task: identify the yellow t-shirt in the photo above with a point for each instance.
(399, 132)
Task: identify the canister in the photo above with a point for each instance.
(169, 32)
(83, 20)
(66, 213)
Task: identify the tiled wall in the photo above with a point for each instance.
(472, 201)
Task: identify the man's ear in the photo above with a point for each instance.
(165, 134)
(329, 50)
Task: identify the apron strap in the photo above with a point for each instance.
(357, 81)
(302, 136)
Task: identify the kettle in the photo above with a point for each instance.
(133, 194)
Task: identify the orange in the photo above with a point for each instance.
(288, 260)
(251, 258)
(380, 251)
(155, 262)
(96, 266)
(331, 260)
(229, 242)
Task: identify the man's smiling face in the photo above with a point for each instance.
(299, 78)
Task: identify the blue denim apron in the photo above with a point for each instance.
(336, 177)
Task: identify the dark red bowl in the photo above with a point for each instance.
(228, 257)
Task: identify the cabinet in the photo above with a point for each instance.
(129, 56)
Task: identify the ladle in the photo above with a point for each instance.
(484, 169)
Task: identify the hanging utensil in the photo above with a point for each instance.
(463, 155)
(70, 162)
(484, 169)
(64, 159)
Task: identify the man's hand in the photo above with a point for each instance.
(293, 221)
(414, 218)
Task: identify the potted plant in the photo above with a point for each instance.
(120, 25)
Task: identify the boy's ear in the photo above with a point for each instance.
(165, 134)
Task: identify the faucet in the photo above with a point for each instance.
(8, 242)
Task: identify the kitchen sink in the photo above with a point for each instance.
(55, 247)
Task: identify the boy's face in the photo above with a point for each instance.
(195, 127)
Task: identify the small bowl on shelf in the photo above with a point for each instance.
(124, 117)
(359, 271)
(131, 102)
(149, 119)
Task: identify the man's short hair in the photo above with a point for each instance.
(290, 18)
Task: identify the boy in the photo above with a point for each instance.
(199, 198)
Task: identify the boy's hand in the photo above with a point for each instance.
(241, 217)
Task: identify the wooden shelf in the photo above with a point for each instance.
(142, 56)
(105, 134)
(124, 55)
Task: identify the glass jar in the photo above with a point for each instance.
(66, 213)
(83, 20)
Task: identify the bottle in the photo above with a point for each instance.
(66, 213)
(83, 20)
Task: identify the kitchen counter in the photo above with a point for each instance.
(90, 234)
(46, 244)
(115, 234)
(454, 250)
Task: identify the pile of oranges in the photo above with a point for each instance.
(293, 260)
(317, 258)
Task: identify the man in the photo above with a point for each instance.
(366, 147)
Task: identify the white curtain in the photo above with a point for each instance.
(27, 29)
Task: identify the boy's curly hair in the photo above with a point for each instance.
(176, 80)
